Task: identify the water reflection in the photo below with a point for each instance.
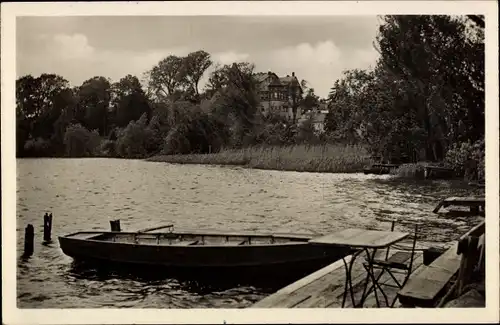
(196, 281)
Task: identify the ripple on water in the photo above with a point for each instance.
(89, 192)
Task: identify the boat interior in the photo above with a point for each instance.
(187, 239)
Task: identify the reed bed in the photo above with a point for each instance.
(331, 158)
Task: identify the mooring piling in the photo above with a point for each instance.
(47, 227)
(29, 239)
(115, 225)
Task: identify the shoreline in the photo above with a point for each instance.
(284, 160)
(245, 166)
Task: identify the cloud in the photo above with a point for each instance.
(74, 58)
(323, 53)
(229, 57)
(71, 47)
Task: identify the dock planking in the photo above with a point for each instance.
(424, 288)
(380, 168)
(325, 287)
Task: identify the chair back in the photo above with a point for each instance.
(393, 223)
(414, 237)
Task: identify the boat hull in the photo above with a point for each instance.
(294, 256)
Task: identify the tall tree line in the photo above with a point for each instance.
(425, 96)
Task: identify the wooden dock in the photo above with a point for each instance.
(475, 204)
(437, 172)
(380, 169)
(325, 287)
(433, 284)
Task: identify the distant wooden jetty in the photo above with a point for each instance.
(437, 172)
(429, 172)
(475, 204)
(380, 169)
(480, 184)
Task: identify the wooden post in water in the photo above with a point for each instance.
(47, 227)
(29, 239)
(115, 225)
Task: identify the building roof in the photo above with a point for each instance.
(281, 81)
(261, 76)
(286, 80)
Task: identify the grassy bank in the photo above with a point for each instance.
(304, 158)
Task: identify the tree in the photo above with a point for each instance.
(129, 102)
(35, 96)
(295, 93)
(94, 97)
(39, 104)
(195, 65)
(167, 76)
(442, 66)
(311, 100)
(219, 78)
(349, 105)
(425, 93)
(238, 102)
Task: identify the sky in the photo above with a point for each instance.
(317, 48)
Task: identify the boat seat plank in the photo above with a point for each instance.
(155, 228)
(84, 235)
(423, 288)
(185, 243)
(231, 243)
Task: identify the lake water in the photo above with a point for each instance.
(84, 194)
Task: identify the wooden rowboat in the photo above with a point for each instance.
(191, 250)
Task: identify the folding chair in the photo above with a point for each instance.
(400, 262)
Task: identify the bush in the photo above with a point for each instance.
(80, 142)
(132, 141)
(107, 148)
(202, 133)
(37, 147)
(467, 159)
